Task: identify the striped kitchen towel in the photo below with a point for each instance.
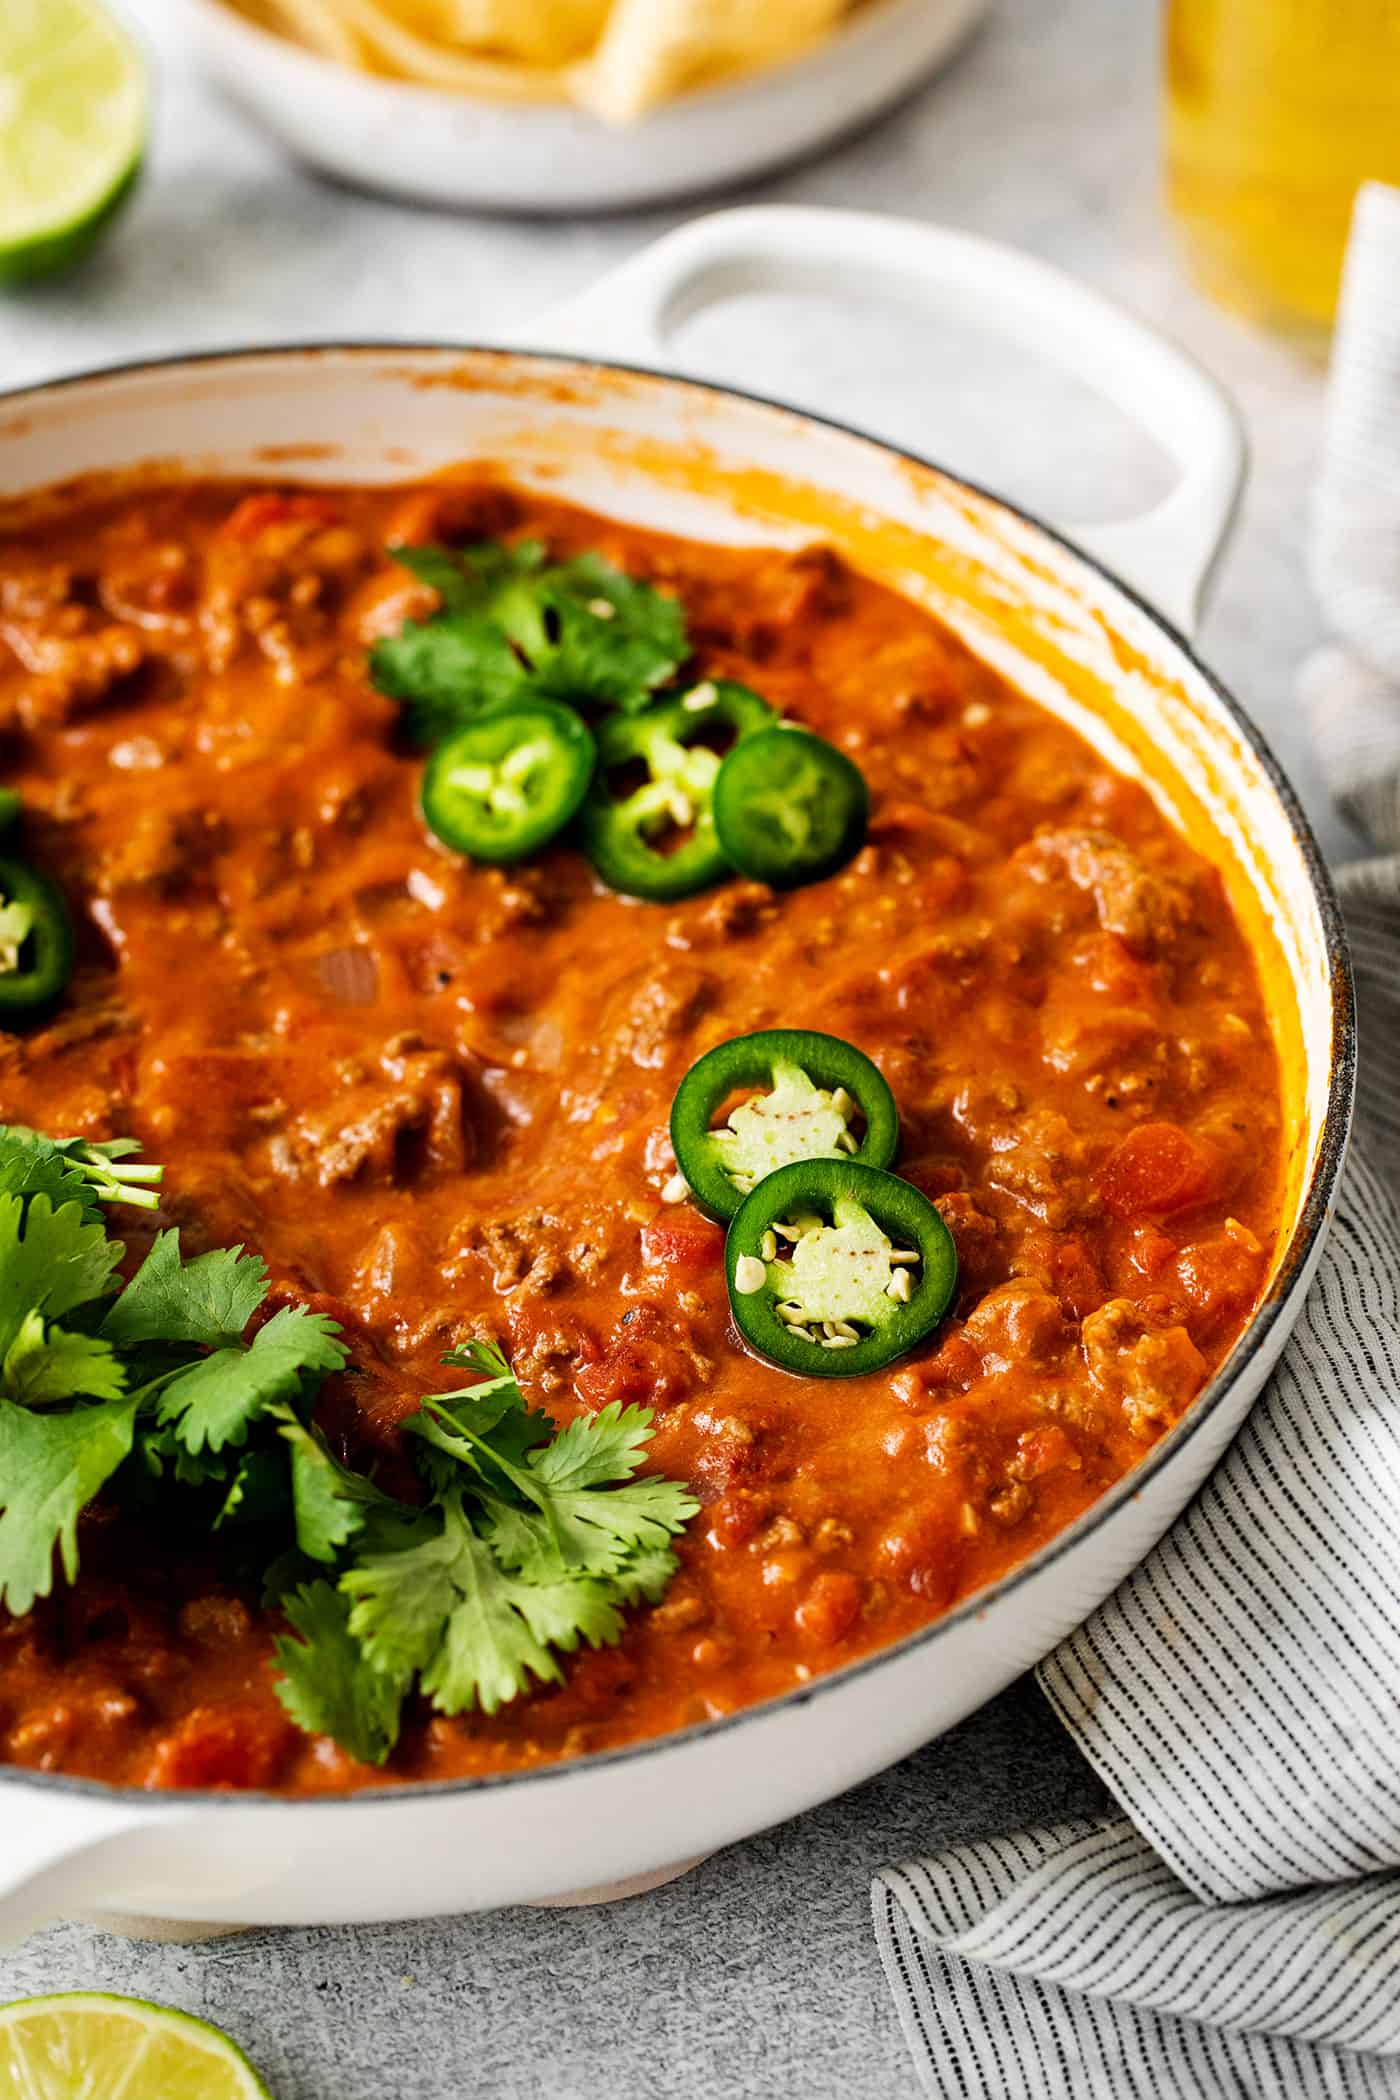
(1235, 1933)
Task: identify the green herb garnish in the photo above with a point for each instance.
(512, 623)
(526, 1541)
(71, 1170)
(532, 1542)
(327, 1686)
(164, 1359)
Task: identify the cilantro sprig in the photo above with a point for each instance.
(511, 624)
(154, 1378)
(532, 1543)
(73, 1170)
(522, 1544)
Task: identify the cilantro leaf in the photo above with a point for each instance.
(579, 631)
(257, 1491)
(51, 1466)
(489, 579)
(105, 1169)
(442, 571)
(444, 671)
(535, 1542)
(614, 658)
(329, 1501)
(51, 1261)
(465, 658)
(178, 1390)
(589, 1531)
(645, 1575)
(31, 1164)
(581, 1519)
(401, 1591)
(566, 1609)
(285, 1572)
(73, 1170)
(328, 1687)
(439, 1604)
(209, 1300)
(490, 1420)
(489, 1358)
(593, 1450)
(505, 1631)
(46, 1364)
(162, 1456)
(214, 1401)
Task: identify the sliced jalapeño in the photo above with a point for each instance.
(806, 1096)
(36, 941)
(508, 781)
(835, 1268)
(648, 824)
(789, 807)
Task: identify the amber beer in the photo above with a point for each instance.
(1276, 111)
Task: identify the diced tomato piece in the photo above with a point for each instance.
(270, 507)
(924, 1550)
(217, 1747)
(735, 1518)
(722, 1461)
(1219, 1278)
(1112, 968)
(679, 1238)
(1079, 1284)
(644, 1361)
(1148, 1251)
(1158, 1168)
(1047, 1449)
(830, 1608)
(952, 1367)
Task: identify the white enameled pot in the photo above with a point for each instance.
(670, 453)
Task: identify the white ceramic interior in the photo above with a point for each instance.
(444, 148)
(668, 453)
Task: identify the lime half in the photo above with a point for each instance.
(73, 114)
(80, 2044)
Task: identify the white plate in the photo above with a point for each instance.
(443, 148)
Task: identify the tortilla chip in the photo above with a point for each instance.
(652, 50)
(541, 32)
(395, 47)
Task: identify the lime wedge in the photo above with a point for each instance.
(73, 113)
(79, 2044)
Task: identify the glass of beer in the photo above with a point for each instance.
(1276, 112)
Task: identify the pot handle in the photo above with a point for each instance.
(1168, 553)
(63, 1850)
